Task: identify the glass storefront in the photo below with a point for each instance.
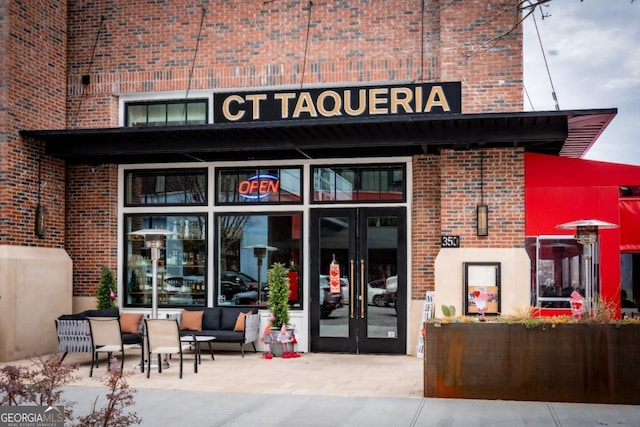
(228, 264)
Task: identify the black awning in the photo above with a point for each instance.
(567, 133)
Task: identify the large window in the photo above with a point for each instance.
(181, 271)
(166, 113)
(166, 187)
(248, 244)
(362, 183)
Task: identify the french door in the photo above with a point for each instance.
(365, 248)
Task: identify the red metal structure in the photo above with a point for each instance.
(560, 190)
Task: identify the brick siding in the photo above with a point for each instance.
(150, 46)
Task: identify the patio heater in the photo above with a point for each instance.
(259, 252)
(587, 236)
(154, 240)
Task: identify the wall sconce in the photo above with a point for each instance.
(482, 220)
(40, 224)
(482, 210)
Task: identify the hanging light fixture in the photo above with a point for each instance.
(482, 210)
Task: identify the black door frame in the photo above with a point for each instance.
(357, 340)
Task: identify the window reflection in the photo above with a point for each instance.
(248, 246)
(182, 265)
(358, 183)
(263, 185)
(177, 187)
(556, 270)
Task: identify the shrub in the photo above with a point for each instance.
(278, 281)
(106, 290)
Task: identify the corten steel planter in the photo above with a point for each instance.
(591, 363)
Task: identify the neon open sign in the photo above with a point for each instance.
(259, 187)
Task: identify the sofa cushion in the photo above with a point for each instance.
(191, 320)
(226, 336)
(131, 338)
(229, 317)
(211, 318)
(239, 326)
(130, 322)
(106, 312)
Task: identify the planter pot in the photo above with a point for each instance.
(276, 348)
(591, 363)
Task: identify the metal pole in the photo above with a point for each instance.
(155, 255)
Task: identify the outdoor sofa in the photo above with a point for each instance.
(74, 334)
(228, 324)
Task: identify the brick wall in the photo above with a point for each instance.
(151, 46)
(446, 191)
(425, 222)
(92, 223)
(479, 50)
(147, 46)
(33, 45)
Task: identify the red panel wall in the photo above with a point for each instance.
(559, 190)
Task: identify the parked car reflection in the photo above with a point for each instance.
(330, 301)
(240, 288)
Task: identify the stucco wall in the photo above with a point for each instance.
(35, 288)
(515, 280)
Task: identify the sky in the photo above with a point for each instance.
(592, 49)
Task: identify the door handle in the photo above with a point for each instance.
(351, 285)
(362, 289)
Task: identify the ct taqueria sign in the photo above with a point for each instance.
(318, 103)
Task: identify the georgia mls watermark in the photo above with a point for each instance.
(31, 416)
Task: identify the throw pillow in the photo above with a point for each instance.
(130, 322)
(240, 321)
(191, 320)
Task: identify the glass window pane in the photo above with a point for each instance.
(324, 184)
(369, 184)
(556, 270)
(157, 115)
(346, 184)
(181, 267)
(197, 113)
(176, 114)
(166, 113)
(248, 245)
(137, 115)
(183, 187)
(377, 183)
(247, 186)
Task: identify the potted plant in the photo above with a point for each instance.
(106, 290)
(278, 282)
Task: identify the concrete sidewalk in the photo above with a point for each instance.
(320, 390)
(204, 408)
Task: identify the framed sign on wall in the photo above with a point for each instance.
(482, 288)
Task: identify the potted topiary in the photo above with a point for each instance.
(278, 283)
(106, 291)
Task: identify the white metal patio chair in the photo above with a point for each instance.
(106, 337)
(163, 337)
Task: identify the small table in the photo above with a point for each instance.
(196, 340)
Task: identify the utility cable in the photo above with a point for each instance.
(93, 54)
(306, 45)
(193, 64)
(546, 64)
(422, 43)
